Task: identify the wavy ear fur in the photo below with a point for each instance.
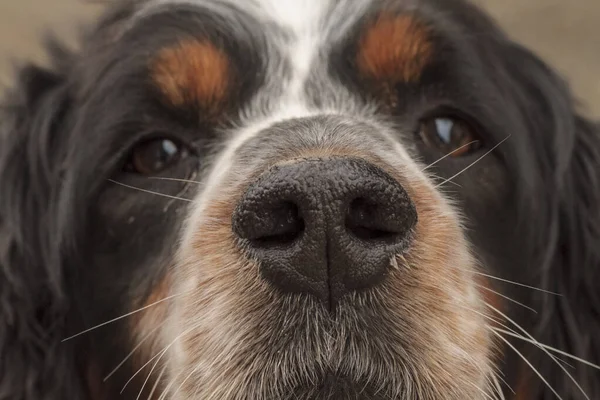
(34, 364)
(564, 212)
(572, 322)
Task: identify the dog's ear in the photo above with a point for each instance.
(34, 364)
(571, 322)
(563, 211)
(574, 267)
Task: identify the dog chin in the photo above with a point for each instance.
(337, 387)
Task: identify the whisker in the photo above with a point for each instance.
(474, 162)
(500, 323)
(175, 180)
(157, 382)
(157, 355)
(150, 373)
(165, 391)
(448, 155)
(128, 356)
(487, 396)
(507, 298)
(550, 348)
(499, 389)
(141, 368)
(517, 283)
(194, 370)
(553, 358)
(489, 317)
(513, 332)
(121, 317)
(451, 182)
(150, 191)
(526, 361)
(493, 386)
(488, 391)
(496, 376)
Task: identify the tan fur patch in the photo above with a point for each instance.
(146, 327)
(193, 71)
(438, 280)
(489, 294)
(394, 48)
(155, 313)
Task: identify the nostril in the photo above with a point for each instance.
(284, 227)
(366, 220)
(326, 227)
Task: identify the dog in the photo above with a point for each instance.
(297, 199)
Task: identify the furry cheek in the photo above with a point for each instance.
(438, 282)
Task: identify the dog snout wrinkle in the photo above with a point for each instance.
(324, 226)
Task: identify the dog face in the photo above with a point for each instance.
(297, 199)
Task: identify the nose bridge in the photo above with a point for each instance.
(321, 135)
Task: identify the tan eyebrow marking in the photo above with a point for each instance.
(394, 48)
(195, 72)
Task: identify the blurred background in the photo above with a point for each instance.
(564, 33)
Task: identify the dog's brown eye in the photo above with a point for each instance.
(451, 136)
(154, 156)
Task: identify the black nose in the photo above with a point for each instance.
(325, 227)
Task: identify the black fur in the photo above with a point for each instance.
(33, 305)
(559, 216)
(549, 236)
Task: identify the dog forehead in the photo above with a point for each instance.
(292, 33)
(294, 15)
(295, 37)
